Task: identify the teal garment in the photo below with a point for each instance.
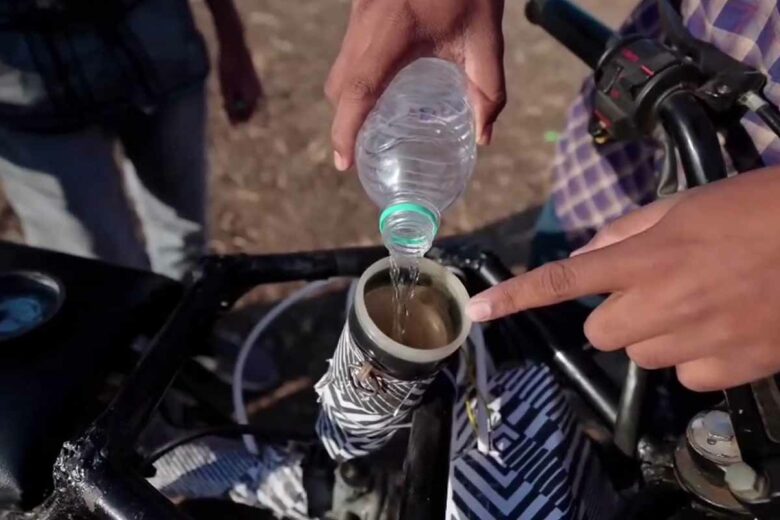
(549, 242)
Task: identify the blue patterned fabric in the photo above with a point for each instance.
(537, 464)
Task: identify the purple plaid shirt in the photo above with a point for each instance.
(594, 186)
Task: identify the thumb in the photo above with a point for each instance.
(629, 225)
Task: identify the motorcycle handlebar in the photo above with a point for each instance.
(680, 113)
(585, 36)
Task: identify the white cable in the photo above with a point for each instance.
(480, 355)
(239, 406)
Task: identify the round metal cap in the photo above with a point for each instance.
(711, 435)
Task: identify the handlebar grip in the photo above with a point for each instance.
(578, 31)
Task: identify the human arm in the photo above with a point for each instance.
(239, 82)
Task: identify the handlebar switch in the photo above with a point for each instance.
(632, 78)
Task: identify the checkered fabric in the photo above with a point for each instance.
(594, 185)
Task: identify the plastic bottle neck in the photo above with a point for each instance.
(408, 228)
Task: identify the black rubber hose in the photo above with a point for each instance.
(770, 116)
(668, 180)
(693, 133)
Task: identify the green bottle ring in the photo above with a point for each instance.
(408, 207)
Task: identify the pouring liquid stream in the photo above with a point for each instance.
(415, 155)
(404, 275)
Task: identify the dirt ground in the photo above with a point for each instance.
(273, 186)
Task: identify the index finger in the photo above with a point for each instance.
(602, 271)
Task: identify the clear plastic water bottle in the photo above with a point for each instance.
(416, 152)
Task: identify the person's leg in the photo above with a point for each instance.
(167, 180)
(67, 192)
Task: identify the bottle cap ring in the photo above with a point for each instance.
(408, 207)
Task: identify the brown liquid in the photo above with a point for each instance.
(428, 323)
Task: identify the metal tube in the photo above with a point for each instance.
(668, 180)
(120, 496)
(428, 455)
(590, 381)
(691, 131)
(128, 413)
(89, 485)
(310, 265)
(630, 410)
(577, 366)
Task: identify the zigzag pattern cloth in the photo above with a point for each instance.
(216, 468)
(275, 482)
(540, 465)
(362, 407)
